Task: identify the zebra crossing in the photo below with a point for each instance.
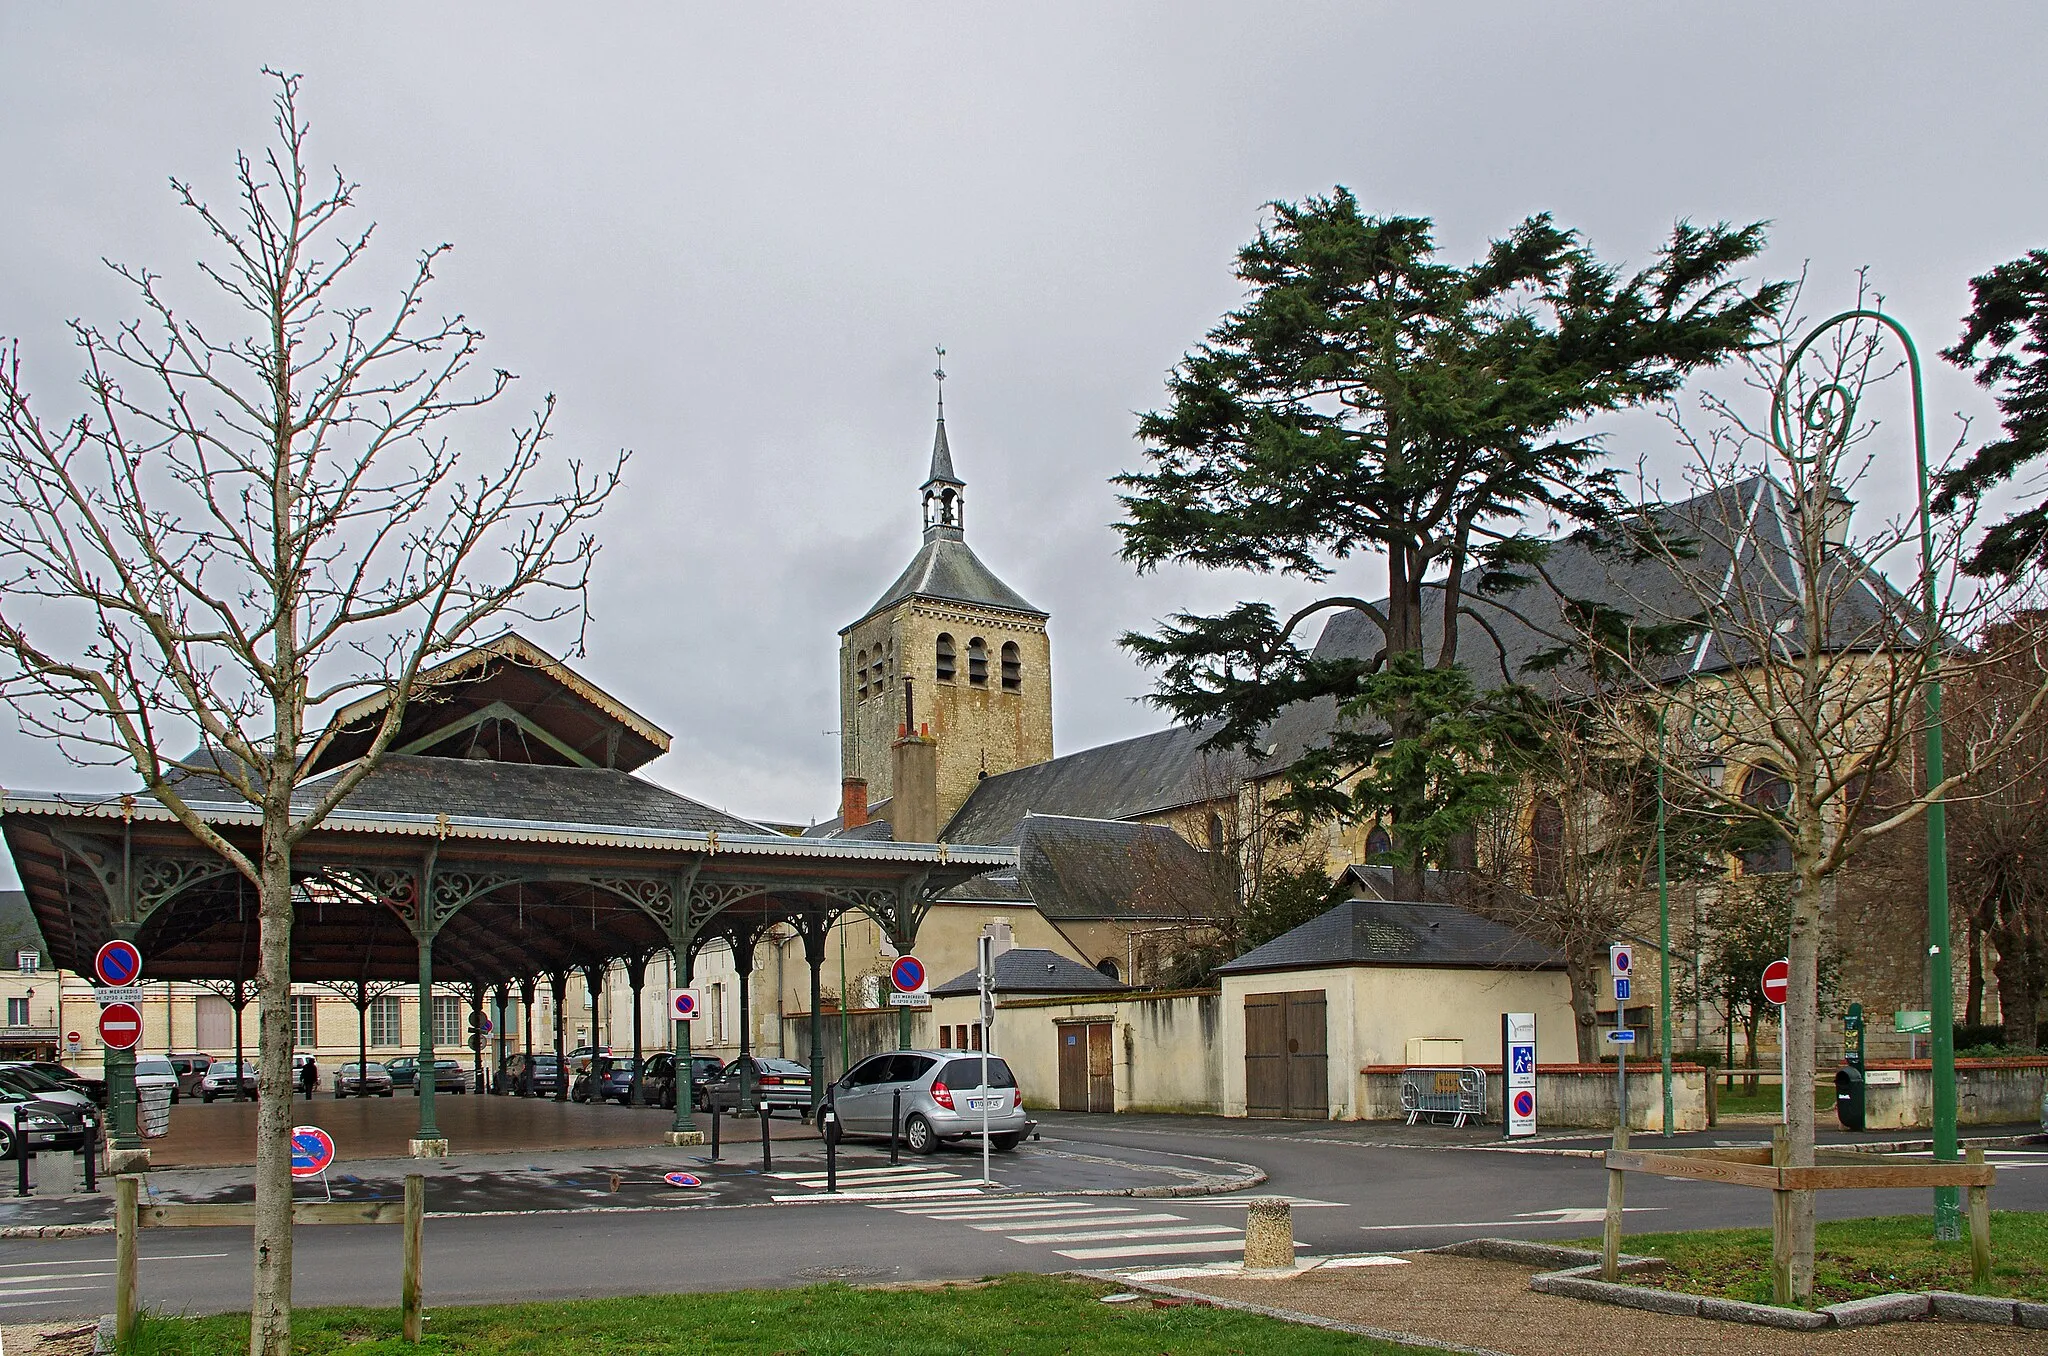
(894, 1182)
(1083, 1231)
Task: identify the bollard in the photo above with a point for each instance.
(1268, 1234)
(714, 1131)
(91, 1150)
(828, 1122)
(895, 1115)
(22, 1155)
(767, 1155)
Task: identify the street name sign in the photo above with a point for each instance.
(1624, 1036)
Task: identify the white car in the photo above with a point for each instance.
(16, 1077)
(155, 1071)
(42, 1125)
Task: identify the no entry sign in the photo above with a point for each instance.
(312, 1151)
(907, 974)
(121, 1026)
(118, 963)
(1777, 980)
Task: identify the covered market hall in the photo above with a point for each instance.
(505, 843)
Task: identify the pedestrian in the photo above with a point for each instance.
(309, 1077)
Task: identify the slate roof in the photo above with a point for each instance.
(18, 930)
(1025, 969)
(1379, 932)
(1124, 780)
(530, 792)
(946, 568)
(1743, 531)
(1085, 870)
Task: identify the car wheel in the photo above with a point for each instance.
(385, 1093)
(6, 1141)
(206, 1097)
(1003, 1144)
(918, 1136)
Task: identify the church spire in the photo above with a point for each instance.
(945, 494)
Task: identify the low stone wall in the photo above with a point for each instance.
(1988, 1092)
(1568, 1096)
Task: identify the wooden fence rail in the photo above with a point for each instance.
(131, 1216)
(1832, 1170)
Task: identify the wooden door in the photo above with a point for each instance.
(1101, 1067)
(1073, 1040)
(1286, 1054)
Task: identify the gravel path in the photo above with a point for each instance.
(1471, 1302)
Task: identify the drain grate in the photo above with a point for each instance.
(851, 1272)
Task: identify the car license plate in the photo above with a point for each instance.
(993, 1103)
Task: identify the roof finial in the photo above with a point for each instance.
(940, 373)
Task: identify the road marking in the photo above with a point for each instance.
(1078, 1222)
(1577, 1218)
(883, 1195)
(53, 1276)
(1376, 1260)
(76, 1262)
(1151, 1250)
(865, 1174)
(1102, 1235)
(46, 1290)
(1225, 1203)
(1013, 1211)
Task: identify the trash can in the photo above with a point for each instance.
(155, 1110)
(1849, 1095)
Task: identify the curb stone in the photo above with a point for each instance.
(1877, 1309)
(1972, 1308)
(1760, 1315)
(103, 1340)
(1575, 1284)
(2030, 1315)
(1572, 1261)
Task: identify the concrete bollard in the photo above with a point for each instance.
(1268, 1234)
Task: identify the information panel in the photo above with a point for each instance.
(1518, 1064)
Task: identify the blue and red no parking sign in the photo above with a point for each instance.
(907, 974)
(1525, 1103)
(118, 964)
(312, 1151)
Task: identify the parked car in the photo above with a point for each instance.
(659, 1081)
(95, 1088)
(155, 1071)
(362, 1080)
(191, 1070)
(45, 1125)
(21, 1078)
(531, 1075)
(942, 1099)
(449, 1076)
(222, 1076)
(785, 1085)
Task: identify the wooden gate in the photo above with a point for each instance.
(1286, 1059)
(1087, 1066)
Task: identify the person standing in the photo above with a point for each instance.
(309, 1077)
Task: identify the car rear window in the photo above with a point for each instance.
(783, 1066)
(158, 1067)
(966, 1073)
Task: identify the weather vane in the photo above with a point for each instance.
(940, 373)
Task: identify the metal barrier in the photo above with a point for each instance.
(1459, 1093)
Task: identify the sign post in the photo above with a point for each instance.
(984, 976)
(117, 965)
(1620, 957)
(1777, 983)
(1518, 1067)
(313, 1154)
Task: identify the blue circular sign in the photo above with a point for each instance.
(907, 974)
(118, 963)
(312, 1151)
(683, 1179)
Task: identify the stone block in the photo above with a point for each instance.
(1268, 1234)
(428, 1148)
(1627, 1296)
(1877, 1309)
(1971, 1308)
(1761, 1315)
(125, 1160)
(679, 1139)
(2030, 1315)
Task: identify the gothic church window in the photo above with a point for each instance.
(945, 657)
(1768, 791)
(1546, 849)
(977, 661)
(1013, 667)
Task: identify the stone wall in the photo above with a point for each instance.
(1988, 1092)
(1570, 1096)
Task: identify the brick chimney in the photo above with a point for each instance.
(853, 802)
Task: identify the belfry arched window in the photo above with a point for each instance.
(1765, 789)
(860, 672)
(945, 657)
(977, 660)
(1013, 667)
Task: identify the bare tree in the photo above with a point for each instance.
(1805, 681)
(236, 532)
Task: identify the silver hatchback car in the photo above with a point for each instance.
(942, 1099)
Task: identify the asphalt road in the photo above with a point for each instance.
(1354, 1193)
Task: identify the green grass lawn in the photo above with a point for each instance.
(1026, 1314)
(1852, 1259)
(1732, 1102)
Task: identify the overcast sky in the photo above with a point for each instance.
(728, 238)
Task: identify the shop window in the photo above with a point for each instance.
(945, 657)
(1013, 667)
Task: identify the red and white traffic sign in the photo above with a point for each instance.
(1777, 980)
(1620, 956)
(117, 963)
(121, 1026)
(72, 1038)
(312, 1151)
(907, 974)
(683, 1005)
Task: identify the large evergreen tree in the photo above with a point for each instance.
(2005, 346)
(1370, 399)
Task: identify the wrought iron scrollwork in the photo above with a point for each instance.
(651, 895)
(159, 879)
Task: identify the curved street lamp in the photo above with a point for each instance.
(1830, 411)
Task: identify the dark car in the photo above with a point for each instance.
(660, 1080)
(785, 1085)
(95, 1088)
(221, 1078)
(614, 1080)
(404, 1070)
(45, 1125)
(191, 1070)
(449, 1076)
(366, 1080)
(531, 1075)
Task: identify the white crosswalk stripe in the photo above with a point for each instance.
(899, 1182)
(1123, 1231)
